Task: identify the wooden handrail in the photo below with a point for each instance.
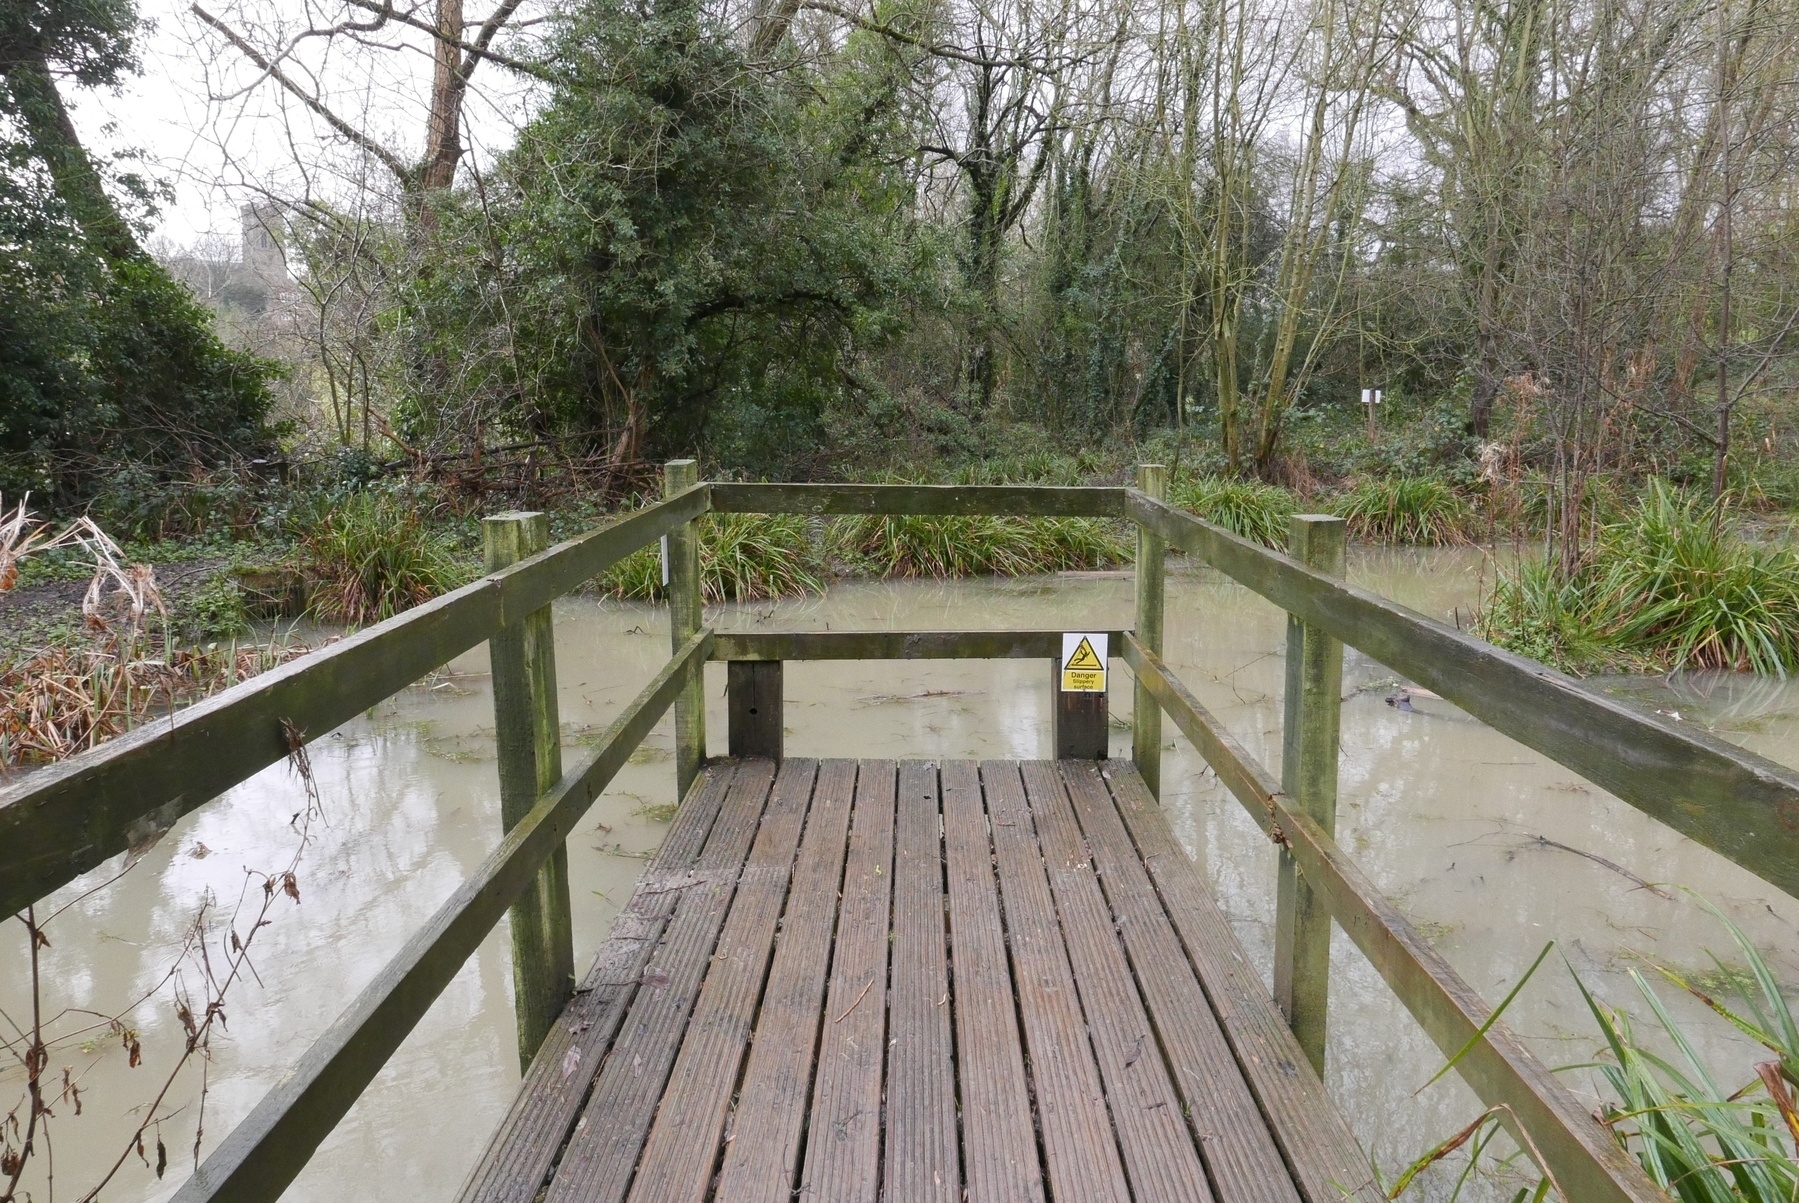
(890, 645)
(1582, 1155)
(264, 1153)
(1736, 803)
(63, 820)
(1044, 501)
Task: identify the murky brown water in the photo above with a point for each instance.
(1447, 816)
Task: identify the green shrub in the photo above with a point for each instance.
(956, 545)
(1406, 509)
(1696, 590)
(743, 557)
(1674, 586)
(215, 610)
(1535, 613)
(1256, 511)
(370, 556)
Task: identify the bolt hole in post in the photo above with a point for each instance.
(527, 735)
(756, 705)
(1309, 742)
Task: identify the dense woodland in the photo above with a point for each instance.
(804, 239)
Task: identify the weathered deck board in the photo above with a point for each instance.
(999, 1143)
(843, 1143)
(601, 1155)
(1158, 1150)
(771, 1108)
(1327, 1164)
(1081, 1155)
(683, 1148)
(885, 981)
(518, 1159)
(1233, 1137)
(921, 1161)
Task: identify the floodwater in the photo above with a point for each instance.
(1491, 849)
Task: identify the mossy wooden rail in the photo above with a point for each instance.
(68, 819)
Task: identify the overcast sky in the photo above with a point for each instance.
(216, 154)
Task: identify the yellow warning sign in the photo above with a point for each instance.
(1083, 662)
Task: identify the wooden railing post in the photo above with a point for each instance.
(685, 613)
(528, 734)
(1309, 734)
(1146, 716)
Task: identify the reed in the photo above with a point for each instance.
(1699, 1139)
(958, 545)
(1256, 511)
(67, 698)
(743, 557)
(371, 556)
(1406, 509)
(1676, 585)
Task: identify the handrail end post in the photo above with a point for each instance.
(527, 736)
(685, 613)
(1309, 746)
(1146, 716)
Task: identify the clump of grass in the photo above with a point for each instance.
(743, 557)
(1406, 509)
(1257, 511)
(1674, 586)
(956, 545)
(370, 556)
(1702, 1141)
(1535, 612)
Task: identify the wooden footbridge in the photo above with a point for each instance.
(914, 980)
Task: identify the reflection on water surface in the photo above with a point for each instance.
(1492, 849)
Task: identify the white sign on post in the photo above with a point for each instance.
(665, 561)
(1084, 662)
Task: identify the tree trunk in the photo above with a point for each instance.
(54, 140)
(443, 126)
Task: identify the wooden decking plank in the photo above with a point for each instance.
(1242, 1160)
(524, 1147)
(999, 1142)
(842, 1158)
(1082, 1159)
(1326, 1162)
(770, 1113)
(683, 1149)
(921, 1159)
(597, 1164)
(1159, 1152)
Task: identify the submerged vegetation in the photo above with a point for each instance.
(1678, 584)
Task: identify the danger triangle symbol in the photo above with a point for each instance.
(1084, 658)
